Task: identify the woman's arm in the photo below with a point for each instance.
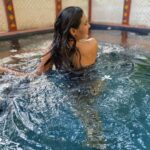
(41, 68)
(11, 71)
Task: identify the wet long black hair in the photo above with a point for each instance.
(61, 51)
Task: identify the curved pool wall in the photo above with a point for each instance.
(105, 107)
(18, 18)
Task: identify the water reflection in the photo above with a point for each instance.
(38, 114)
(86, 113)
(83, 92)
(124, 38)
(14, 44)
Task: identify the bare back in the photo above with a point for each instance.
(88, 50)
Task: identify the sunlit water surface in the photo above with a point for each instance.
(106, 107)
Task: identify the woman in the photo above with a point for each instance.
(71, 48)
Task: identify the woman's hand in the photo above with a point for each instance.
(2, 70)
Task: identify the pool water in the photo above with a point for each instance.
(105, 107)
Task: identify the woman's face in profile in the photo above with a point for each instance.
(83, 30)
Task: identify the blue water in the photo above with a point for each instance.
(107, 106)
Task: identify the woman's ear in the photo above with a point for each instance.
(73, 31)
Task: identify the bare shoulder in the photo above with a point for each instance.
(92, 40)
(93, 43)
(88, 41)
(88, 45)
(88, 50)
